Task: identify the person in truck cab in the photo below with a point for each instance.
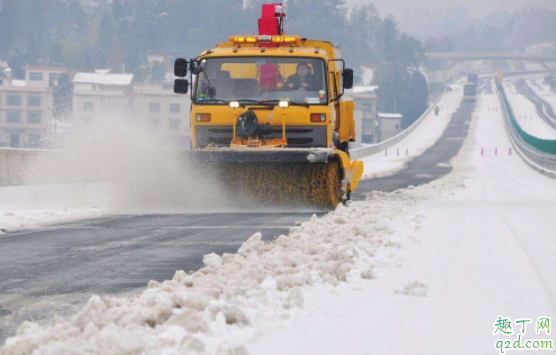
(303, 79)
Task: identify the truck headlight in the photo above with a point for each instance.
(202, 117)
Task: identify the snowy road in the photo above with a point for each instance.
(534, 114)
(486, 249)
(431, 165)
(55, 270)
(544, 109)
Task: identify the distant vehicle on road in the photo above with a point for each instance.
(470, 92)
(500, 77)
(473, 79)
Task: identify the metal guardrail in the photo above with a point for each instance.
(362, 152)
(540, 154)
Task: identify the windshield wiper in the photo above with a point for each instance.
(212, 100)
(256, 102)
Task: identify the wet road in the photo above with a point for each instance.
(56, 269)
(48, 271)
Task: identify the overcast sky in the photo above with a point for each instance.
(476, 8)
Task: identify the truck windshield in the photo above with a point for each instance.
(261, 79)
(470, 90)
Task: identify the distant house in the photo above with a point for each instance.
(111, 96)
(42, 76)
(389, 125)
(164, 111)
(100, 94)
(26, 107)
(371, 126)
(365, 115)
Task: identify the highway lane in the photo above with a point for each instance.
(543, 108)
(431, 165)
(55, 270)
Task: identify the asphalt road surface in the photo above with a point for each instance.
(56, 269)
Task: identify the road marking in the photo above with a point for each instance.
(219, 227)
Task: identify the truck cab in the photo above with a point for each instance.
(268, 116)
(294, 90)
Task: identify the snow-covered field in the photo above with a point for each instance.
(425, 270)
(526, 113)
(425, 135)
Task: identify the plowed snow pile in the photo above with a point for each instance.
(221, 307)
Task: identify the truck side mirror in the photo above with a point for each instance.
(180, 68)
(347, 78)
(196, 68)
(181, 86)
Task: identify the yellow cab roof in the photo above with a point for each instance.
(307, 48)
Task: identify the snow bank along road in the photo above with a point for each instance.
(124, 253)
(56, 269)
(485, 248)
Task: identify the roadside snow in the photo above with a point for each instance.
(395, 158)
(222, 307)
(526, 113)
(485, 248)
(24, 207)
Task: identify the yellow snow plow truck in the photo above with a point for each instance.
(268, 119)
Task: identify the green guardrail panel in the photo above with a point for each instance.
(544, 145)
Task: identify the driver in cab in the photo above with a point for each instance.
(303, 79)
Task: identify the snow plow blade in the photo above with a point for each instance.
(320, 178)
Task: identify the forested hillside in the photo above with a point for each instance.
(520, 28)
(91, 34)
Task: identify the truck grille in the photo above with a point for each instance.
(298, 136)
